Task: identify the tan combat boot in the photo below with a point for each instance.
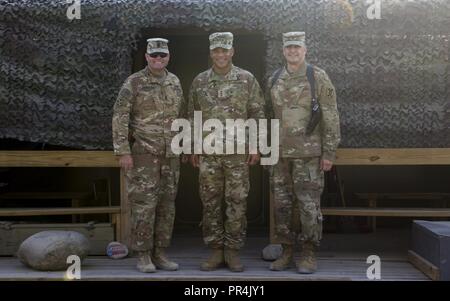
(215, 261)
(145, 264)
(233, 261)
(162, 262)
(285, 259)
(307, 263)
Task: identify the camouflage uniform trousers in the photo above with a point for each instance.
(152, 188)
(224, 180)
(300, 181)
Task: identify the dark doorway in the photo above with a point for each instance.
(189, 56)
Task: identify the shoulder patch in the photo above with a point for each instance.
(330, 92)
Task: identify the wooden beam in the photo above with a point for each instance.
(398, 212)
(57, 211)
(58, 159)
(345, 156)
(423, 265)
(393, 156)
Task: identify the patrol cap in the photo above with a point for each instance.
(157, 45)
(221, 40)
(294, 38)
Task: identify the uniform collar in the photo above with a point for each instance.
(154, 79)
(232, 75)
(301, 73)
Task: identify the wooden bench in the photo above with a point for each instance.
(383, 157)
(390, 157)
(70, 159)
(114, 211)
(373, 199)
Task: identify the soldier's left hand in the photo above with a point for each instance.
(126, 162)
(253, 159)
(185, 158)
(326, 165)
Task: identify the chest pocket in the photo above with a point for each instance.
(295, 93)
(291, 117)
(148, 98)
(234, 94)
(206, 96)
(285, 97)
(173, 96)
(293, 102)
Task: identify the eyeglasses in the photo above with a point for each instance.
(156, 54)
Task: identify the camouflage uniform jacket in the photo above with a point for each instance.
(144, 111)
(236, 95)
(291, 103)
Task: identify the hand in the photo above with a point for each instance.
(326, 165)
(195, 160)
(126, 162)
(185, 158)
(252, 159)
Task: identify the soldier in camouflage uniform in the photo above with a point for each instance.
(148, 102)
(299, 174)
(225, 92)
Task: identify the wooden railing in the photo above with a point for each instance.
(363, 156)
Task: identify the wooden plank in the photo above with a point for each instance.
(39, 195)
(189, 251)
(58, 159)
(398, 212)
(423, 265)
(106, 269)
(393, 156)
(405, 195)
(57, 211)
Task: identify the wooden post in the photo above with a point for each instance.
(125, 227)
(373, 204)
(115, 219)
(75, 204)
(271, 217)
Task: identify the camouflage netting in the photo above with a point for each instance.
(59, 78)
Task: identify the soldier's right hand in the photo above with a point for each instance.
(126, 162)
(195, 160)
